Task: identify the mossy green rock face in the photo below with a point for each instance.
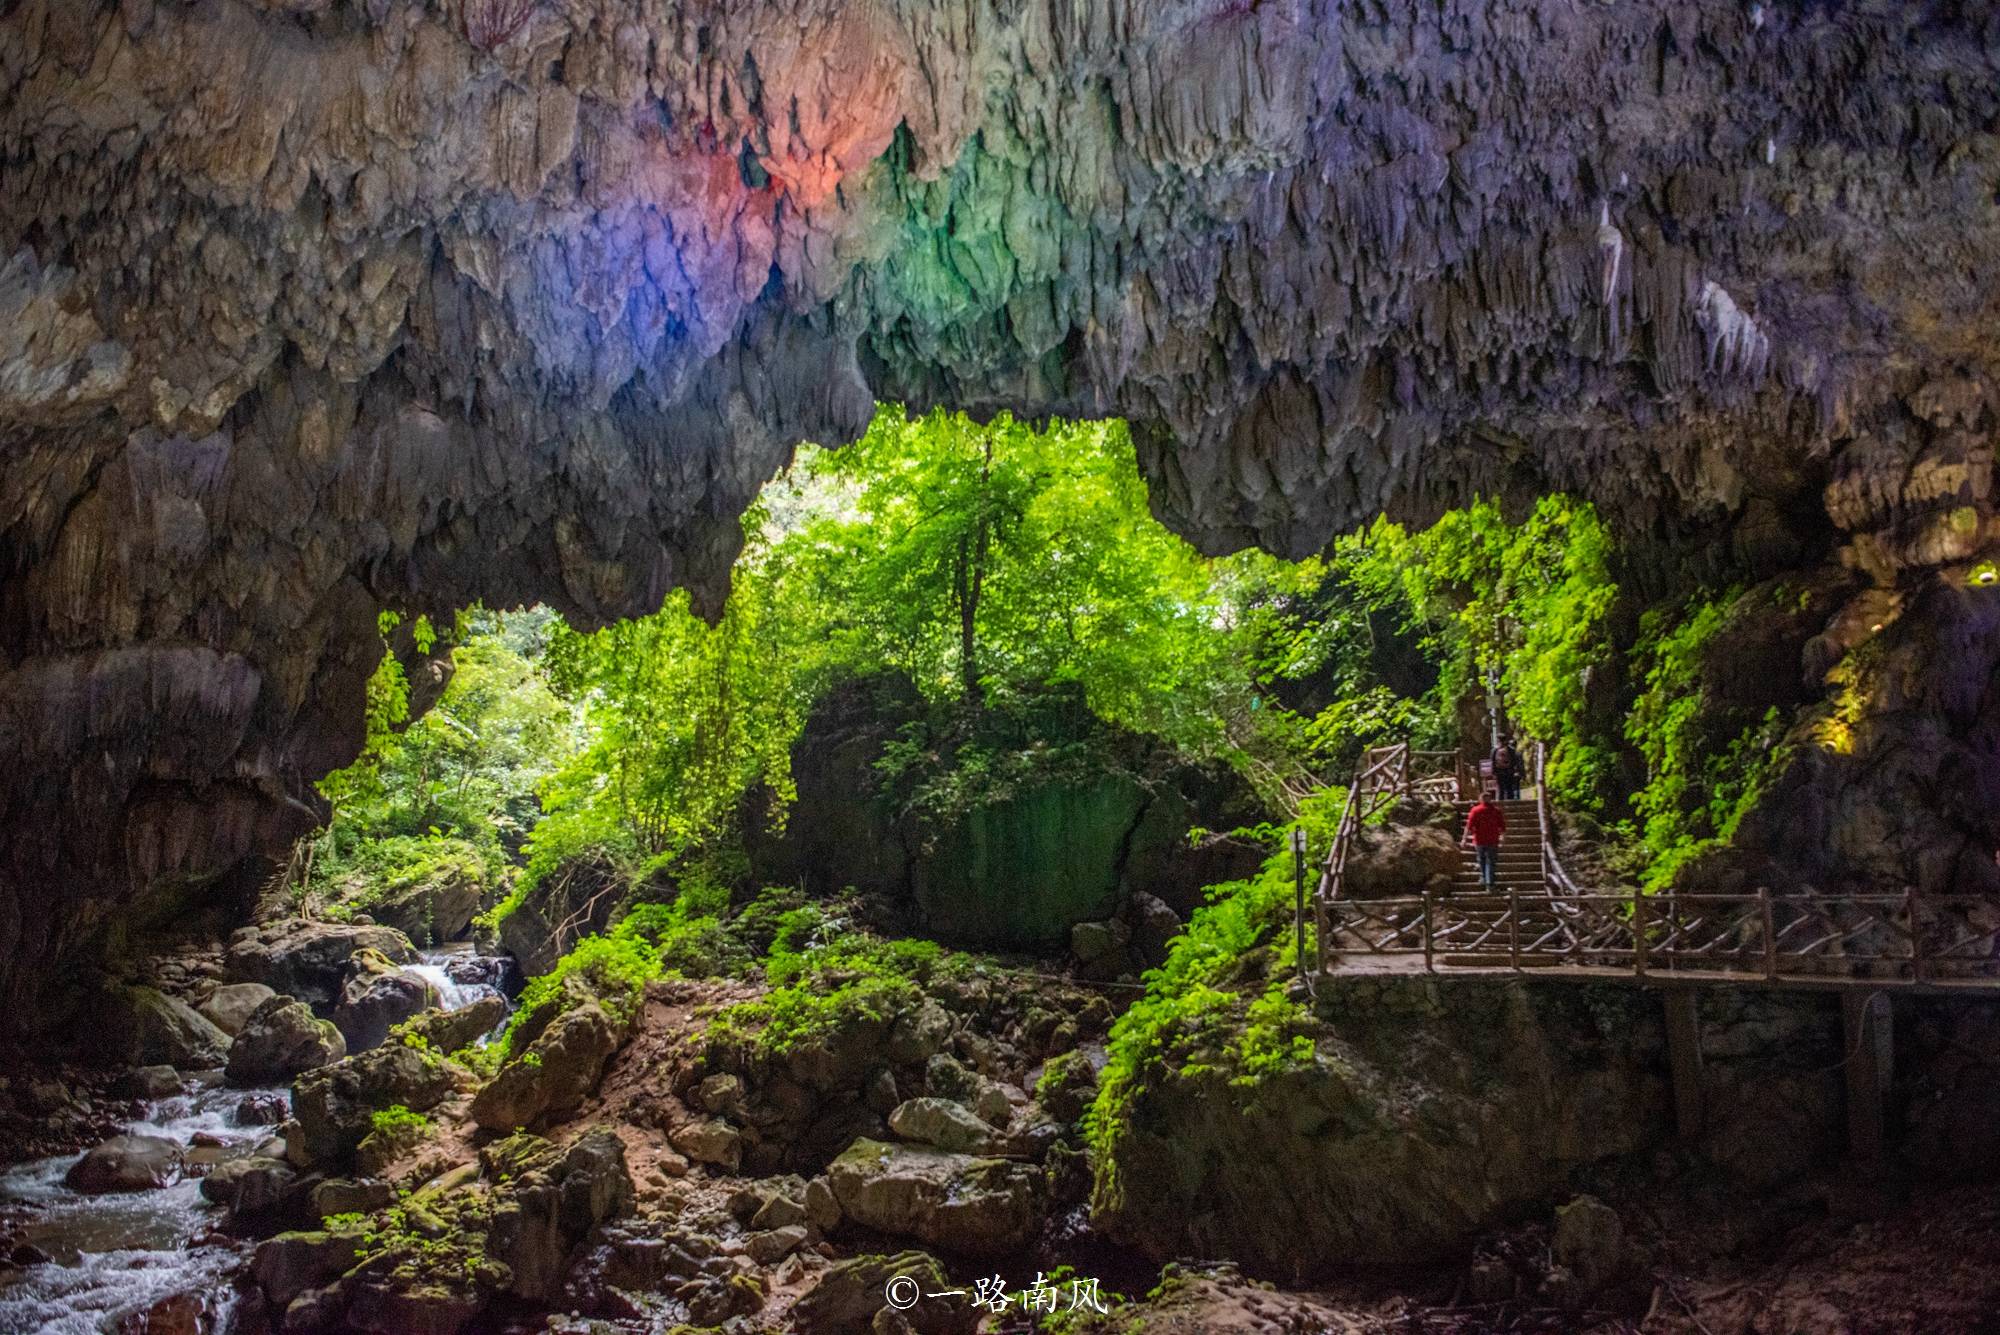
(1024, 871)
(1435, 1107)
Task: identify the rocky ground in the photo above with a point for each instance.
(665, 1165)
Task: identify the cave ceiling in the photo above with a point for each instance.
(313, 308)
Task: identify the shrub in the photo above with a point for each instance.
(1204, 1009)
(814, 993)
(396, 1119)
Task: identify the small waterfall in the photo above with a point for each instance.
(460, 975)
(452, 994)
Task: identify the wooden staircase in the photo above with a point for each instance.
(1520, 852)
(1480, 926)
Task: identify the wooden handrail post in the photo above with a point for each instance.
(1514, 926)
(1299, 904)
(1429, 965)
(1919, 970)
(1639, 932)
(1320, 932)
(1770, 931)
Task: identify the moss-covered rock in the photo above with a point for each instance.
(1024, 871)
(972, 1206)
(1421, 1109)
(999, 826)
(553, 1075)
(335, 1106)
(281, 1040)
(850, 1294)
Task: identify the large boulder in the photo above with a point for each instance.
(945, 1125)
(849, 1296)
(1013, 863)
(374, 1001)
(1022, 871)
(232, 1004)
(147, 1082)
(956, 1202)
(310, 960)
(1596, 1256)
(248, 1185)
(548, 1199)
(142, 1026)
(1392, 860)
(555, 914)
(281, 1040)
(556, 1073)
(127, 1163)
(448, 1031)
(335, 1106)
(433, 911)
(1426, 1110)
(289, 1264)
(710, 1140)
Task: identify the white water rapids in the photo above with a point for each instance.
(114, 1256)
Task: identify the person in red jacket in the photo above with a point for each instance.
(1487, 824)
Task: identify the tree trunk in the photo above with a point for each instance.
(971, 581)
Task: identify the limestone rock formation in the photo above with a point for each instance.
(448, 1031)
(230, 1006)
(955, 1202)
(945, 1125)
(553, 1074)
(1400, 860)
(375, 1000)
(248, 1185)
(282, 1039)
(335, 1105)
(1432, 1108)
(313, 310)
(850, 1294)
(310, 960)
(142, 1026)
(434, 911)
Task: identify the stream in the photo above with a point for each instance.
(112, 1257)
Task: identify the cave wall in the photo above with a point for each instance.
(310, 308)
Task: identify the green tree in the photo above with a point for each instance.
(682, 717)
(1527, 601)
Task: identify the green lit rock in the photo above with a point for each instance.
(1023, 872)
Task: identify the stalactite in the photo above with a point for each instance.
(555, 265)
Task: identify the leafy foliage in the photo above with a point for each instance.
(1527, 601)
(681, 716)
(1706, 763)
(1220, 1001)
(453, 793)
(820, 991)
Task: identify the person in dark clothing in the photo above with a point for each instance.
(1486, 824)
(1507, 770)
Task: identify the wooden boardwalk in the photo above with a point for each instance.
(1536, 920)
(1536, 923)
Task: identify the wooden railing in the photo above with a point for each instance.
(1796, 937)
(1383, 776)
